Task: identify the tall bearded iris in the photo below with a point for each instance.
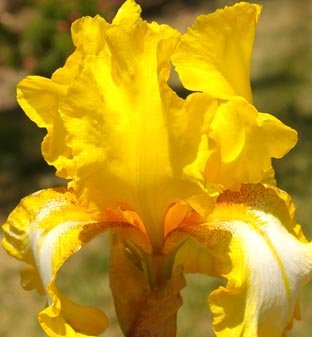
(183, 185)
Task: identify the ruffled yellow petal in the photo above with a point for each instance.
(151, 166)
(110, 130)
(114, 125)
(251, 239)
(214, 56)
(246, 141)
(116, 129)
(44, 230)
(88, 36)
(128, 13)
(40, 97)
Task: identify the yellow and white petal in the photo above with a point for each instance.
(44, 230)
(214, 56)
(251, 240)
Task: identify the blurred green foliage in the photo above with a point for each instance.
(45, 42)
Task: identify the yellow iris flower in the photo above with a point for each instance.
(184, 185)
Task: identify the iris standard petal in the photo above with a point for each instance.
(215, 53)
(251, 240)
(44, 230)
(214, 57)
(115, 127)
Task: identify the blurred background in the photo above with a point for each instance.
(35, 39)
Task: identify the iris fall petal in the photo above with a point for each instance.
(251, 240)
(44, 230)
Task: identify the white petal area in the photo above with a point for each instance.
(294, 255)
(44, 230)
(277, 266)
(252, 241)
(43, 247)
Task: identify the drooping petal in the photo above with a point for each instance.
(215, 53)
(44, 230)
(246, 141)
(251, 240)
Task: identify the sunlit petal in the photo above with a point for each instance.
(246, 141)
(251, 240)
(44, 230)
(214, 56)
(40, 97)
(178, 181)
(116, 128)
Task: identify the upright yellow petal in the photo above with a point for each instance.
(44, 230)
(114, 118)
(214, 55)
(40, 97)
(128, 13)
(89, 36)
(251, 240)
(115, 128)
